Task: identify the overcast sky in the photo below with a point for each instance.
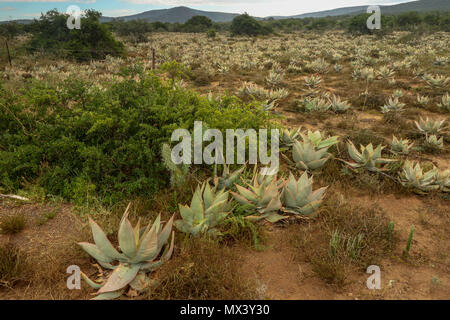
(26, 9)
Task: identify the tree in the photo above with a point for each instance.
(11, 30)
(358, 24)
(409, 19)
(246, 25)
(198, 24)
(92, 41)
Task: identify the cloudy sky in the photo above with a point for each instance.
(26, 9)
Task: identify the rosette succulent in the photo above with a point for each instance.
(140, 249)
(307, 157)
(208, 209)
(414, 177)
(263, 197)
(400, 146)
(299, 198)
(368, 158)
(430, 126)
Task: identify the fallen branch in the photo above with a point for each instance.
(11, 196)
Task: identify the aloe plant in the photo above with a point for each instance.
(445, 103)
(318, 140)
(339, 106)
(227, 180)
(442, 179)
(207, 210)
(434, 141)
(263, 197)
(368, 158)
(393, 105)
(299, 198)
(414, 177)
(316, 105)
(400, 146)
(430, 126)
(140, 249)
(423, 100)
(313, 81)
(288, 137)
(307, 157)
(178, 173)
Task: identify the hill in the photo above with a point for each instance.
(419, 6)
(177, 14)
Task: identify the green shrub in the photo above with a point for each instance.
(81, 143)
(92, 41)
(246, 25)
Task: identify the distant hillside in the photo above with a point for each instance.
(182, 14)
(178, 14)
(420, 6)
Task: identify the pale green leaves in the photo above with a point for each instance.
(369, 158)
(298, 196)
(140, 249)
(208, 209)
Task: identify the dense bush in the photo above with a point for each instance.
(198, 24)
(246, 25)
(92, 41)
(11, 30)
(76, 140)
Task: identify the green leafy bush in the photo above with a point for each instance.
(246, 25)
(92, 41)
(80, 142)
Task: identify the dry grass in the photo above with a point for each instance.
(12, 224)
(344, 239)
(202, 269)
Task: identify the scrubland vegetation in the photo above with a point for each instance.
(364, 137)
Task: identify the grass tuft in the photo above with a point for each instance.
(12, 224)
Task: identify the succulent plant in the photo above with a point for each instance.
(263, 197)
(338, 68)
(308, 157)
(278, 94)
(208, 209)
(445, 102)
(227, 180)
(178, 173)
(401, 146)
(288, 137)
(385, 73)
(140, 249)
(315, 105)
(423, 100)
(319, 65)
(434, 141)
(298, 197)
(393, 105)
(318, 140)
(368, 157)
(312, 81)
(430, 126)
(367, 74)
(398, 94)
(436, 81)
(338, 106)
(442, 179)
(274, 78)
(414, 177)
